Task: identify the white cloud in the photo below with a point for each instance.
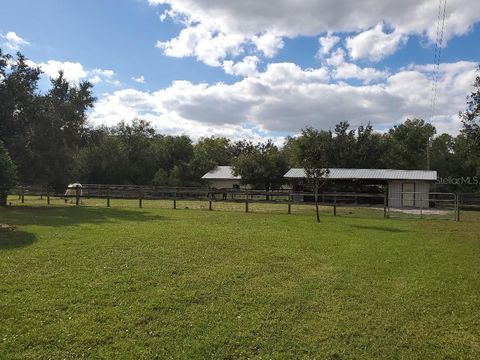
(286, 98)
(291, 18)
(374, 43)
(72, 71)
(13, 41)
(344, 70)
(246, 67)
(327, 43)
(75, 72)
(140, 79)
(268, 43)
(207, 46)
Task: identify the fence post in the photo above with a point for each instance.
(77, 195)
(108, 198)
(421, 207)
(48, 197)
(209, 201)
(22, 194)
(385, 205)
(175, 199)
(140, 199)
(458, 207)
(335, 203)
(289, 203)
(246, 201)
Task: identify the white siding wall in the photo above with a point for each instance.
(422, 190)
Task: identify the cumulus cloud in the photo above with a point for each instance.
(268, 43)
(374, 44)
(327, 43)
(285, 98)
(246, 67)
(343, 70)
(13, 41)
(207, 46)
(75, 72)
(266, 23)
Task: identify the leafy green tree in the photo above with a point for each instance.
(18, 109)
(369, 149)
(208, 153)
(407, 144)
(342, 146)
(313, 154)
(104, 160)
(8, 174)
(471, 117)
(59, 131)
(262, 168)
(294, 147)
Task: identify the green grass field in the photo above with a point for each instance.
(130, 283)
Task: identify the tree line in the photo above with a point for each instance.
(46, 139)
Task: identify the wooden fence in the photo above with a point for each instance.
(289, 198)
(174, 194)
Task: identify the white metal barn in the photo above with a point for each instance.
(222, 178)
(406, 188)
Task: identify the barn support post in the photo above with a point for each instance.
(77, 195)
(209, 201)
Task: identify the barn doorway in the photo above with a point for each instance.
(408, 194)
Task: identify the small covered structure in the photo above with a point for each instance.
(222, 177)
(406, 188)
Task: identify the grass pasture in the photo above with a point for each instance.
(124, 282)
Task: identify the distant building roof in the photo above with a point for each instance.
(370, 174)
(221, 172)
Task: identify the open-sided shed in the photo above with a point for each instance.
(406, 188)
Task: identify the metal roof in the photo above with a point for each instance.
(221, 172)
(370, 174)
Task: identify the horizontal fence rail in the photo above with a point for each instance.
(424, 204)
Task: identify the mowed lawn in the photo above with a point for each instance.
(129, 283)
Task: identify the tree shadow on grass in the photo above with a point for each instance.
(379, 228)
(16, 239)
(71, 216)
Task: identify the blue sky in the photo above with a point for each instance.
(256, 70)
